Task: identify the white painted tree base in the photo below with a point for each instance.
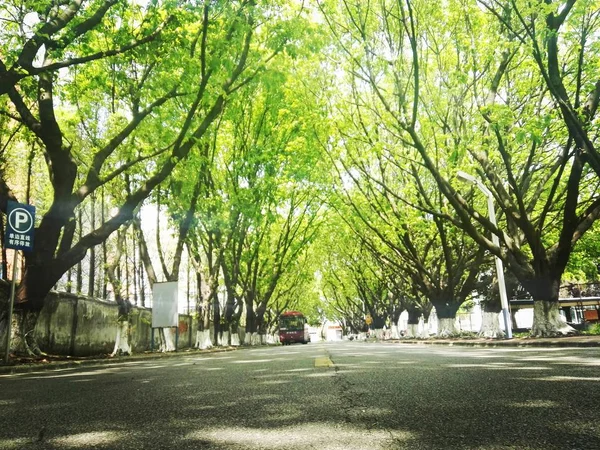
(423, 329)
(395, 334)
(548, 322)
(490, 327)
(255, 339)
(122, 340)
(272, 339)
(224, 339)
(412, 330)
(379, 333)
(167, 340)
(203, 341)
(235, 340)
(447, 327)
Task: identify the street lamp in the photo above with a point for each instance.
(499, 266)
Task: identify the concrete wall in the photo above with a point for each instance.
(80, 326)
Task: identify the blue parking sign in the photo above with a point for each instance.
(20, 226)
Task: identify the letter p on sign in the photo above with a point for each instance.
(20, 226)
(21, 218)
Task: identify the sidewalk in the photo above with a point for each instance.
(565, 341)
(53, 362)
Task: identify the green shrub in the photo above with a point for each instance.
(594, 329)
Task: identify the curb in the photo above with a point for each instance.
(505, 344)
(59, 365)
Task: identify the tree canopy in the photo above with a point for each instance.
(305, 154)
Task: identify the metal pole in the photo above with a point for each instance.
(499, 265)
(10, 307)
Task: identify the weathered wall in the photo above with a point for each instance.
(80, 326)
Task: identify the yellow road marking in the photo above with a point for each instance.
(323, 362)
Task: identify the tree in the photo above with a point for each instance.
(387, 205)
(445, 108)
(129, 43)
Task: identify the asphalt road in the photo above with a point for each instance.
(346, 395)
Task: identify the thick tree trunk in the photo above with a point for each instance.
(29, 301)
(225, 338)
(491, 310)
(378, 333)
(446, 314)
(203, 340)
(261, 338)
(251, 326)
(122, 346)
(412, 324)
(490, 325)
(216, 310)
(235, 339)
(446, 327)
(23, 340)
(166, 338)
(547, 321)
(412, 330)
(250, 338)
(378, 322)
(423, 327)
(394, 318)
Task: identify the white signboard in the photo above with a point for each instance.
(164, 305)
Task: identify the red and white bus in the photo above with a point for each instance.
(293, 328)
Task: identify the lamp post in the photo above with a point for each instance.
(499, 266)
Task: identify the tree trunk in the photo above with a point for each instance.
(250, 320)
(414, 316)
(122, 346)
(141, 281)
(79, 277)
(216, 310)
(423, 327)
(203, 338)
(490, 325)
(446, 314)
(104, 249)
(394, 317)
(235, 338)
(124, 306)
(166, 339)
(412, 330)
(23, 335)
(69, 287)
(547, 321)
(92, 266)
(260, 337)
(492, 308)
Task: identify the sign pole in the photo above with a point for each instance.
(10, 307)
(20, 223)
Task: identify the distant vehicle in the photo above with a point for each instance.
(293, 328)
